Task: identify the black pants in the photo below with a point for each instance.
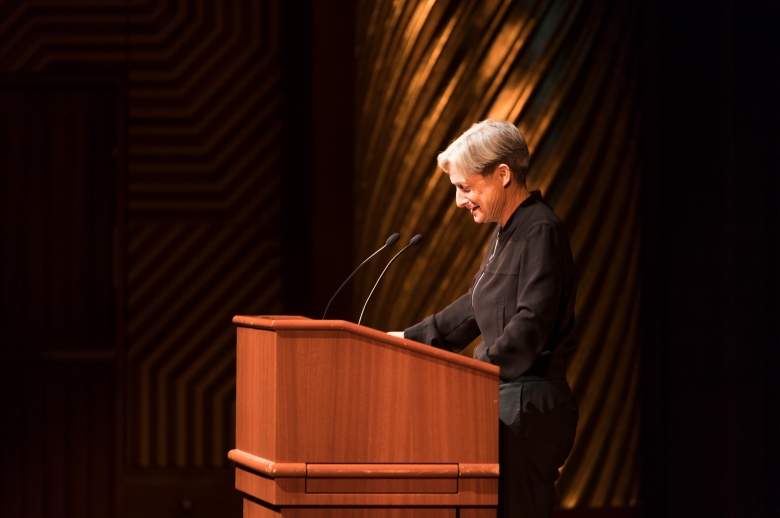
(536, 434)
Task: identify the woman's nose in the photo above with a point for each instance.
(460, 199)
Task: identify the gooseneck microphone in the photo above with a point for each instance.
(415, 240)
(390, 242)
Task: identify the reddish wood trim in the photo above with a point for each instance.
(256, 485)
(478, 470)
(299, 469)
(382, 485)
(382, 470)
(267, 467)
(472, 492)
(477, 512)
(365, 512)
(255, 510)
(277, 323)
(473, 496)
(274, 317)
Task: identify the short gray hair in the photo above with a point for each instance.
(486, 145)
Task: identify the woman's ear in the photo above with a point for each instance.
(505, 174)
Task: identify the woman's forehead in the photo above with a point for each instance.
(456, 176)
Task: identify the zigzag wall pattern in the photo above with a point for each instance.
(203, 130)
(565, 73)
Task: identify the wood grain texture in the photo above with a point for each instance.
(365, 414)
(382, 471)
(265, 466)
(298, 469)
(382, 485)
(256, 374)
(389, 402)
(303, 323)
(478, 491)
(478, 470)
(476, 512)
(255, 510)
(368, 513)
(291, 492)
(285, 492)
(262, 488)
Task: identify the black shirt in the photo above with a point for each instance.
(521, 300)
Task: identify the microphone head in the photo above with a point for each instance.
(393, 239)
(415, 240)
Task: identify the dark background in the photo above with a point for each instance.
(712, 399)
(104, 233)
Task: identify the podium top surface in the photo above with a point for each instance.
(298, 323)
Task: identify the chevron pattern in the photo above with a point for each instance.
(565, 73)
(202, 105)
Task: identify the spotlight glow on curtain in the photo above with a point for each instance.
(565, 73)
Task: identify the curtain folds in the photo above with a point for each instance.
(565, 73)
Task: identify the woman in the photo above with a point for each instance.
(522, 303)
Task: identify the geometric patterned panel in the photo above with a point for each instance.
(565, 74)
(203, 108)
(202, 101)
(202, 81)
(188, 280)
(204, 131)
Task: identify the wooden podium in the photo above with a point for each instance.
(334, 419)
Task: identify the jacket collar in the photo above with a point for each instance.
(534, 198)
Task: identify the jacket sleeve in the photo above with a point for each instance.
(452, 329)
(540, 289)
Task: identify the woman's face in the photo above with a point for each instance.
(483, 196)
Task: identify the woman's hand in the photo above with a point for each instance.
(399, 334)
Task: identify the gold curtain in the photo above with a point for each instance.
(565, 73)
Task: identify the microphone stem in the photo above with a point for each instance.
(348, 278)
(380, 278)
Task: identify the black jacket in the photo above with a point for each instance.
(521, 299)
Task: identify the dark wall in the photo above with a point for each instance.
(712, 399)
(57, 302)
(317, 47)
(223, 140)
